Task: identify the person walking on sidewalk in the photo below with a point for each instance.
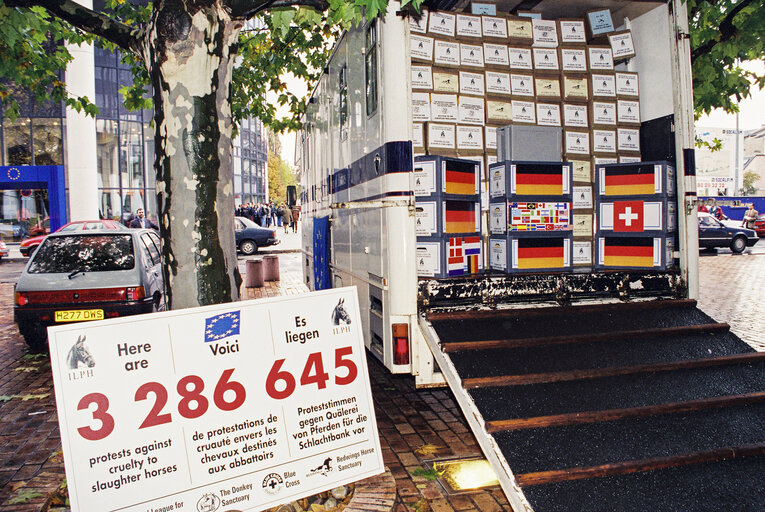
(750, 217)
(295, 218)
(286, 217)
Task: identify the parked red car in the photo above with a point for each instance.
(759, 225)
(29, 245)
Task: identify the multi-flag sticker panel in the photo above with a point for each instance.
(464, 255)
(540, 216)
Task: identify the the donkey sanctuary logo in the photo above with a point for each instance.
(79, 360)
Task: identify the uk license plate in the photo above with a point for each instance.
(79, 315)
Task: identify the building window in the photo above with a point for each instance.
(18, 142)
(48, 142)
(107, 153)
(371, 68)
(131, 147)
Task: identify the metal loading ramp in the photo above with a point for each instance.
(645, 406)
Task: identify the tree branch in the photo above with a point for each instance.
(246, 9)
(88, 21)
(727, 32)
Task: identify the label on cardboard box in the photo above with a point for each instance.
(420, 106)
(494, 27)
(628, 139)
(468, 26)
(497, 181)
(603, 85)
(628, 111)
(575, 88)
(441, 23)
(545, 33)
(495, 55)
(546, 59)
(600, 21)
(582, 198)
(577, 142)
(497, 83)
(422, 77)
(572, 32)
(498, 111)
(471, 110)
(547, 87)
(498, 253)
(627, 159)
(445, 82)
(441, 136)
(522, 85)
(471, 55)
(498, 217)
(520, 58)
(443, 108)
(426, 214)
(471, 83)
(622, 45)
(582, 224)
(604, 160)
(574, 59)
(581, 170)
(491, 137)
(446, 53)
(424, 178)
(582, 253)
(548, 114)
(575, 115)
(520, 29)
(524, 111)
(419, 25)
(604, 141)
(428, 258)
(627, 84)
(421, 47)
(600, 58)
(604, 112)
(417, 139)
(470, 138)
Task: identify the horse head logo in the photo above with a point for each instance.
(340, 315)
(79, 353)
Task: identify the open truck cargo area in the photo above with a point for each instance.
(512, 192)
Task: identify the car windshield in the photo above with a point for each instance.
(85, 253)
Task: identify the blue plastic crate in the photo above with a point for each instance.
(450, 255)
(530, 181)
(441, 176)
(538, 253)
(635, 179)
(633, 252)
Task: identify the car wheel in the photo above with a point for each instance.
(35, 336)
(248, 247)
(738, 244)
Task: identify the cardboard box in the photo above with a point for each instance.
(622, 45)
(490, 138)
(547, 88)
(498, 111)
(420, 106)
(487, 8)
(520, 58)
(581, 170)
(472, 83)
(471, 56)
(494, 28)
(575, 88)
(571, 31)
(419, 24)
(575, 115)
(444, 108)
(628, 112)
(524, 13)
(524, 112)
(576, 142)
(420, 48)
(522, 85)
(418, 136)
(445, 81)
(468, 28)
(628, 139)
(471, 111)
(498, 83)
(470, 138)
(603, 85)
(603, 113)
(441, 136)
(582, 253)
(583, 197)
(603, 141)
(442, 24)
(519, 30)
(546, 60)
(627, 85)
(583, 225)
(573, 60)
(600, 58)
(598, 23)
(495, 56)
(549, 114)
(545, 33)
(446, 53)
(422, 78)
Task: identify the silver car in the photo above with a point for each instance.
(88, 275)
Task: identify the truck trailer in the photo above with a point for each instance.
(591, 383)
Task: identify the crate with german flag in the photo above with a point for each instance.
(549, 251)
(441, 176)
(435, 217)
(635, 179)
(630, 251)
(449, 255)
(654, 214)
(530, 181)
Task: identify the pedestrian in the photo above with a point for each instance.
(272, 213)
(279, 212)
(295, 218)
(142, 222)
(286, 217)
(750, 217)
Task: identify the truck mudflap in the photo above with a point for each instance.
(629, 406)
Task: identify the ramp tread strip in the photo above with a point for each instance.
(636, 466)
(434, 316)
(456, 346)
(617, 414)
(564, 376)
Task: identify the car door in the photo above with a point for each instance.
(238, 230)
(153, 266)
(712, 233)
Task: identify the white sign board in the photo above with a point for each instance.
(238, 406)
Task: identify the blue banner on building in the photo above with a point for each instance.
(321, 274)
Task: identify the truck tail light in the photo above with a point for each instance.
(400, 343)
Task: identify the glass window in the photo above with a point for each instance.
(107, 154)
(107, 98)
(131, 148)
(18, 143)
(148, 148)
(371, 68)
(151, 249)
(132, 201)
(343, 102)
(48, 142)
(111, 205)
(86, 253)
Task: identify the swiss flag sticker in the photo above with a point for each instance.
(628, 215)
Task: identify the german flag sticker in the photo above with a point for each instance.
(460, 177)
(630, 180)
(460, 217)
(541, 253)
(642, 252)
(539, 179)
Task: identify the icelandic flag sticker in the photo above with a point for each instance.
(221, 326)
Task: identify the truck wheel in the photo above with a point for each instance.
(738, 244)
(248, 247)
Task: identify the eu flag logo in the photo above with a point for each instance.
(221, 326)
